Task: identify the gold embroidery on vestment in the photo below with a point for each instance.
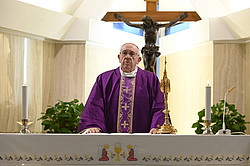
(120, 106)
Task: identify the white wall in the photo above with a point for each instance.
(197, 33)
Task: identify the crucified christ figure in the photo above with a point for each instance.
(150, 29)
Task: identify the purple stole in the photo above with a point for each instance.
(126, 105)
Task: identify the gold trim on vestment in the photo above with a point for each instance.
(130, 112)
(119, 105)
(132, 106)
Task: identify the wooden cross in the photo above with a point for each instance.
(151, 11)
(126, 90)
(124, 124)
(125, 106)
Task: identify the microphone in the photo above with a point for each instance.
(224, 130)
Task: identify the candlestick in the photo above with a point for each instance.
(24, 124)
(24, 102)
(207, 124)
(208, 103)
(25, 121)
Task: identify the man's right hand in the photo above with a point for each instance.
(93, 130)
(118, 16)
(183, 15)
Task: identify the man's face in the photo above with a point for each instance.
(129, 57)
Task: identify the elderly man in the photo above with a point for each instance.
(124, 100)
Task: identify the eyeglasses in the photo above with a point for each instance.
(131, 53)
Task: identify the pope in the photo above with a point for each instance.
(124, 100)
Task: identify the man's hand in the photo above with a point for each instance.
(183, 15)
(93, 130)
(153, 131)
(118, 16)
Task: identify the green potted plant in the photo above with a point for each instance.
(233, 119)
(63, 117)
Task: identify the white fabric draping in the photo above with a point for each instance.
(123, 149)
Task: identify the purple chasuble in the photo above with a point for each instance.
(106, 107)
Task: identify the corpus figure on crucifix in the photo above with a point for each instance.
(150, 29)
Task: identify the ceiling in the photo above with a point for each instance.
(97, 8)
(55, 19)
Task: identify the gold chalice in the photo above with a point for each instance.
(118, 150)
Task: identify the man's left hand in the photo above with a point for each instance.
(153, 131)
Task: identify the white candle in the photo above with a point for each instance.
(25, 102)
(208, 103)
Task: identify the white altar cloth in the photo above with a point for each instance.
(135, 149)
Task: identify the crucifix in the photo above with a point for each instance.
(151, 51)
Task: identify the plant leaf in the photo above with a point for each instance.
(233, 119)
(65, 130)
(62, 117)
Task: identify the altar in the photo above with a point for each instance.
(123, 149)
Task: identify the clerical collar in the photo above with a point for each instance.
(131, 74)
